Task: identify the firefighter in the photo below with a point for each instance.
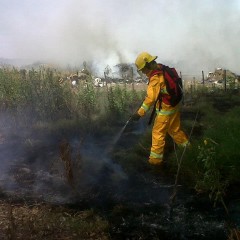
(167, 117)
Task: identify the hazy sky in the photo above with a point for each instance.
(194, 35)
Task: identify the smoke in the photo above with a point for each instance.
(193, 35)
(36, 165)
(32, 166)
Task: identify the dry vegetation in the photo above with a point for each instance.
(42, 221)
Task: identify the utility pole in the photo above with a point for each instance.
(132, 79)
(194, 84)
(225, 80)
(203, 78)
(182, 88)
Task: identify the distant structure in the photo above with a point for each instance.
(218, 76)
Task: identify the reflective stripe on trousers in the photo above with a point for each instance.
(166, 112)
(166, 121)
(155, 155)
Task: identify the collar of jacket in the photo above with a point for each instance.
(155, 71)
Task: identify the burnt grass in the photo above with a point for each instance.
(109, 205)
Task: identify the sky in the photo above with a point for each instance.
(189, 34)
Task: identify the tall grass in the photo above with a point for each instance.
(122, 101)
(36, 96)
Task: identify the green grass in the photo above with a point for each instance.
(36, 96)
(221, 127)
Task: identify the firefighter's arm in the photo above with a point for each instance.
(152, 93)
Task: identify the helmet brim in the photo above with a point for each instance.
(150, 60)
(153, 58)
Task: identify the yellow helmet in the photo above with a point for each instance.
(144, 58)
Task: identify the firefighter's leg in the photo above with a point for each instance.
(159, 132)
(179, 137)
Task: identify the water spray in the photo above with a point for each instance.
(118, 136)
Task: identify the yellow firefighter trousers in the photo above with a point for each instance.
(163, 124)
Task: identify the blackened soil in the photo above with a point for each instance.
(182, 221)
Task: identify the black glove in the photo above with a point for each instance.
(135, 117)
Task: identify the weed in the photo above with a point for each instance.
(212, 180)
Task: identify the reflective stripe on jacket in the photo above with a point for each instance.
(164, 112)
(156, 83)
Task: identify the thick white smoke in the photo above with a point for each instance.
(194, 35)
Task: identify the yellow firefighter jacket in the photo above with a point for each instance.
(156, 84)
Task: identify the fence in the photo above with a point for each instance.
(221, 80)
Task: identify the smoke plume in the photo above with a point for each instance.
(193, 35)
